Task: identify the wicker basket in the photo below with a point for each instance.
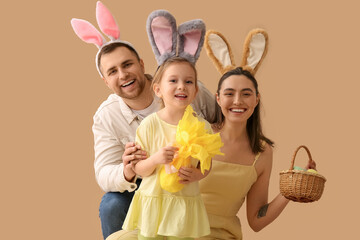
(301, 186)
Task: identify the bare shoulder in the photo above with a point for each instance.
(265, 159)
(268, 151)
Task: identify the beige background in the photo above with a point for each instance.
(50, 90)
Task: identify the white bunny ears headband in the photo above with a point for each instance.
(219, 51)
(89, 34)
(163, 37)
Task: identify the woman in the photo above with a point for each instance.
(244, 171)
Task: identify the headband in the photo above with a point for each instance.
(165, 38)
(219, 51)
(89, 34)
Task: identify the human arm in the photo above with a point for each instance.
(260, 213)
(191, 174)
(109, 150)
(164, 156)
(132, 155)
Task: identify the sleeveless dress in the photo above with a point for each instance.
(155, 211)
(223, 192)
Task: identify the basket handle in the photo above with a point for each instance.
(293, 159)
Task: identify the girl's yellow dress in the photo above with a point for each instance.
(223, 191)
(155, 211)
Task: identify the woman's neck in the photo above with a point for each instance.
(236, 147)
(234, 132)
(171, 115)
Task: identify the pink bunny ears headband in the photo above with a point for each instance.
(219, 51)
(89, 34)
(164, 36)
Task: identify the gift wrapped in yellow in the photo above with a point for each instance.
(194, 141)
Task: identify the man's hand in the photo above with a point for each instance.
(131, 156)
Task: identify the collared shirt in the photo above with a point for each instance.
(115, 125)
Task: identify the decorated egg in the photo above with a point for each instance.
(298, 168)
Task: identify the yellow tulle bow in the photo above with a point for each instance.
(194, 141)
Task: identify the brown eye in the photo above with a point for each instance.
(128, 65)
(112, 72)
(247, 94)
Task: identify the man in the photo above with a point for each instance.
(115, 124)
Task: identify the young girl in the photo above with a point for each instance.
(154, 211)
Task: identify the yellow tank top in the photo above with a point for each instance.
(223, 192)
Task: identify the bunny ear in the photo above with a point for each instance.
(219, 51)
(106, 21)
(255, 49)
(191, 39)
(161, 29)
(87, 32)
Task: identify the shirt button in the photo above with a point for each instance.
(132, 186)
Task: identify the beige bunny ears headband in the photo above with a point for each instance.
(219, 51)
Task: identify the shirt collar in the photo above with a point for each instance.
(128, 114)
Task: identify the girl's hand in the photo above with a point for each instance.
(191, 174)
(165, 155)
